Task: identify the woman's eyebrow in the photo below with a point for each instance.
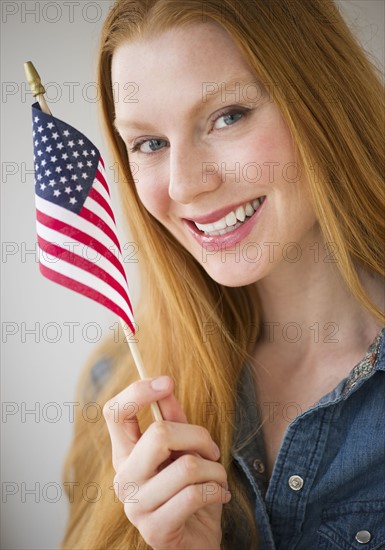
(234, 90)
(126, 123)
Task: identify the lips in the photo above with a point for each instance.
(232, 220)
(231, 234)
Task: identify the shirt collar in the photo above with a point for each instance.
(247, 437)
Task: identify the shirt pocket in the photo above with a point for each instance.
(354, 525)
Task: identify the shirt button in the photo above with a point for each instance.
(258, 466)
(363, 537)
(295, 483)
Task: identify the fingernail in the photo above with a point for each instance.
(161, 383)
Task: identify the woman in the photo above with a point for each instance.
(257, 205)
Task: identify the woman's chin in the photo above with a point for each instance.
(233, 275)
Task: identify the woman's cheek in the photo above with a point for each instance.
(153, 194)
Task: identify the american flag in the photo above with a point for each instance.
(76, 230)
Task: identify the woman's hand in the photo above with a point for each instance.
(168, 479)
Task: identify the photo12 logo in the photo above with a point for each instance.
(53, 12)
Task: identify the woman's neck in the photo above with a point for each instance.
(307, 306)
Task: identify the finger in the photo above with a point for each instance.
(176, 511)
(166, 521)
(160, 440)
(186, 470)
(171, 409)
(121, 411)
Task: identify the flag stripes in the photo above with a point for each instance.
(86, 290)
(78, 244)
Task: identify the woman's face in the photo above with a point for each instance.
(213, 158)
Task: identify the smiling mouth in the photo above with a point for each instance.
(232, 220)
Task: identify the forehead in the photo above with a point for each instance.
(181, 58)
(191, 43)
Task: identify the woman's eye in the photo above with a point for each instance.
(227, 120)
(149, 145)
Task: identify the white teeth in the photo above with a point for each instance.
(221, 224)
(249, 209)
(216, 226)
(232, 219)
(240, 213)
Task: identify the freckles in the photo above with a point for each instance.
(275, 143)
(153, 196)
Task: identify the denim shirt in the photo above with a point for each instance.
(327, 488)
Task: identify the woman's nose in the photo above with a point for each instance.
(192, 173)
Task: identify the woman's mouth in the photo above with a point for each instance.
(231, 228)
(232, 220)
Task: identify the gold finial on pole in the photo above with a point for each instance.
(33, 79)
(36, 86)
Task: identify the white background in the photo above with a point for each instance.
(39, 373)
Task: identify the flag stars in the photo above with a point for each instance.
(74, 177)
(79, 188)
(53, 158)
(39, 176)
(36, 142)
(89, 163)
(56, 193)
(69, 167)
(40, 129)
(71, 144)
(84, 176)
(44, 139)
(63, 179)
(52, 183)
(68, 190)
(55, 135)
(48, 149)
(43, 162)
(39, 153)
(66, 133)
(73, 200)
(80, 165)
(36, 119)
(48, 172)
(64, 156)
(85, 153)
(58, 169)
(59, 146)
(80, 142)
(76, 154)
(43, 186)
(50, 125)
(93, 152)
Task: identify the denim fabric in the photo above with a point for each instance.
(337, 448)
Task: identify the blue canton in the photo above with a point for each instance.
(65, 161)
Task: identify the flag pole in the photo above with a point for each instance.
(36, 86)
(38, 91)
(157, 415)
